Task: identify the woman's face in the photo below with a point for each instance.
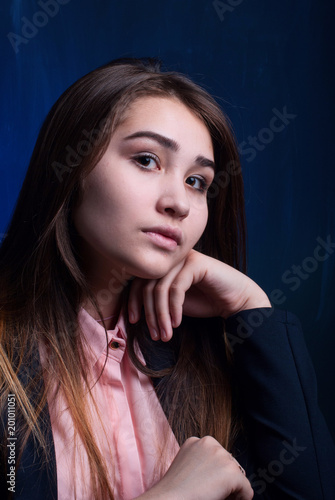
(144, 205)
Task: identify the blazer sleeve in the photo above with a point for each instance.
(285, 448)
(35, 475)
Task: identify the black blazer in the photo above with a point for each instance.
(286, 448)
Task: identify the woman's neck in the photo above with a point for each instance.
(107, 281)
(110, 313)
(109, 296)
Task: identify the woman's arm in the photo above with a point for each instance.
(289, 452)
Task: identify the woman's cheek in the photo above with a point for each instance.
(201, 224)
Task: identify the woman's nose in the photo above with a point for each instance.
(174, 199)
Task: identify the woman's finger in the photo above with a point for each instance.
(150, 309)
(161, 298)
(178, 289)
(189, 275)
(135, 300)
(162, 302)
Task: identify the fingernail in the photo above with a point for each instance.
(163, 334)
(154, 334)
(131, 317)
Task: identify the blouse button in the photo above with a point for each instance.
(114, 345)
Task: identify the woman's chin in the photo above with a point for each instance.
(152, 271)
(151, 274)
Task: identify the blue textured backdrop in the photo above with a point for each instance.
(262, 59)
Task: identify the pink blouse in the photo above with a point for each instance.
(129, 424)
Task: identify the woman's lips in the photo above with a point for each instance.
(164, 237)
(162, 241)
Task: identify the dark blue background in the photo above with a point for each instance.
(258, 56)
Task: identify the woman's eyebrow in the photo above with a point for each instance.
(169, 144)
(202, 161)
(161, 139)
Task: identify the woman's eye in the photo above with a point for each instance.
(197, 182)
(146, 161)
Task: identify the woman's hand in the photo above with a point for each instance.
(202, 470)
(199, 286)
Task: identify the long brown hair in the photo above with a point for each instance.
(42, 282)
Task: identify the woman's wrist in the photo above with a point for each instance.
(257, 301)
(255, 298)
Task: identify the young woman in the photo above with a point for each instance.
(137, 358)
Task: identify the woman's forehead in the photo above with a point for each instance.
(164, 115)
